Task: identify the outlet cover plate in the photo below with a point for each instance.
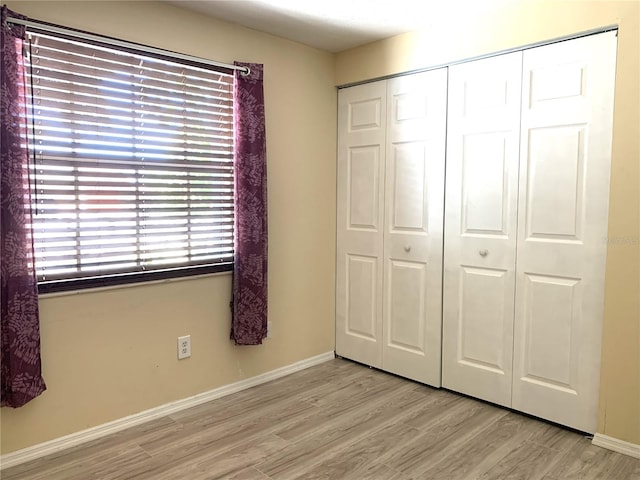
(184, 347)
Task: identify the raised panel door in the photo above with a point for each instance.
(414, 205)
(567, 113)
(480, 226)
(360, 216)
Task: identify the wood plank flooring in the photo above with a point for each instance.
(338, 420)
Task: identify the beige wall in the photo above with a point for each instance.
(112, 353)
(530, 22)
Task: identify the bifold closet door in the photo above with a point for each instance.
(360, 212)
(565, 155)
(414, 205)
(391, 157)
(480, 226)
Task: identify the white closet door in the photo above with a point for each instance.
(480, 226)
(414, 204)
(360, 213)
(567, 113)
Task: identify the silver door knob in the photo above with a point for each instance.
(407, 248)
(483, 253)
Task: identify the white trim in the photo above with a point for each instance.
(57, 444)
(617, 445)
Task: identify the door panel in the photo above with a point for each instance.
(359, 267)
(361, 296)
(482, 318)
(410, 211)
(484, 189)
(407, 282)
(480, 226)
(564, 192)
(414, 204)
(550, 307)
(366, 114)
(363, 187)
(555, 182)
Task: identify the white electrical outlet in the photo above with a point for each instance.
(184, 347)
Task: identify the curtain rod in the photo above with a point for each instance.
(124, 44)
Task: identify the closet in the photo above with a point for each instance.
(528, 162)
(391, 147)
(504, 297)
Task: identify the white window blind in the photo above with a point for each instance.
(132, 162)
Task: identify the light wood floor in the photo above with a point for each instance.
(338, 420)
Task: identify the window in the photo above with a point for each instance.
(132, 164)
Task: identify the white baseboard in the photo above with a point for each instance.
(68, 441)
(620, 446)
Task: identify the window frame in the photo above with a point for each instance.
(116, 278)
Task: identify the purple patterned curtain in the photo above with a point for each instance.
(21, 373)
(249, 304)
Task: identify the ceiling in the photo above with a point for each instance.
(336, 25)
